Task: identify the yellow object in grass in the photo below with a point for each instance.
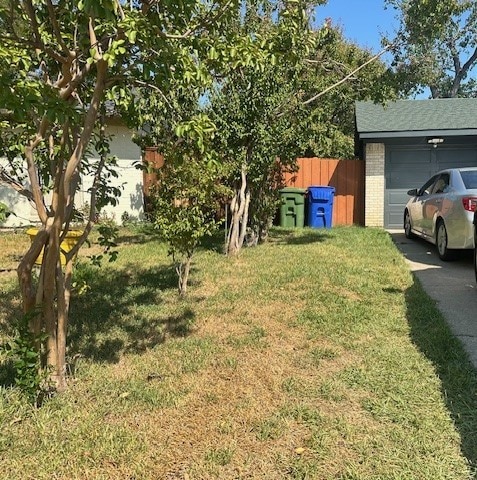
(67, 244)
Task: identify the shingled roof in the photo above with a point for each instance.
(449, 116)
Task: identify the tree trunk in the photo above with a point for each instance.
(49, 313)
(63, 282)
(239, 207)
(183, 271)
(51, 298)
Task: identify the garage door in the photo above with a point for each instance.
(408, 168)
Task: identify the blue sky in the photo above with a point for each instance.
(362, 21)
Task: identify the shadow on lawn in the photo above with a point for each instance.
(10, 312)
(126, 311)
(140, 234)
(458, 378)
(297, 236)
(10, 309)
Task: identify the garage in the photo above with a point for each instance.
(406, 142)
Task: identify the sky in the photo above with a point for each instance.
(362, 21)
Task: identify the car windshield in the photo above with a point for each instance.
(469, 177)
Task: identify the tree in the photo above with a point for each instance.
(256, 117)
(189, 192)
(300, 105)
(436, 46)
(186, 205)
(255, 126)
(63, 65)
(337, 74)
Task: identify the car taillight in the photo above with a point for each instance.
(470, 203)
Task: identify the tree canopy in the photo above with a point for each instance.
(436, 46)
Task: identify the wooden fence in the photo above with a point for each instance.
(152, 161)
(347, 176)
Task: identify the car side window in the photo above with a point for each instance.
(426, 189)
(442, 184)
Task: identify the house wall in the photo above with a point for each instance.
(25, 214)
(374, 184)
(129, 180)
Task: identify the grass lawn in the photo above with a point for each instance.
(315, 356)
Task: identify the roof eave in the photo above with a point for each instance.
(419, 133)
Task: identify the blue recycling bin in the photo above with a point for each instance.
(320, 206)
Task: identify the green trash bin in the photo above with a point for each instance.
(292, 210)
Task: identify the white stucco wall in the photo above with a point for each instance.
(25, 214)
(129, 180)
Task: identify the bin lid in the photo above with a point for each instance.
(321, 193)
(293, 190)
(324, 187)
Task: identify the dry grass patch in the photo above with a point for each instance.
(12, 246)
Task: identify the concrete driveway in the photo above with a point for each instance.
(451, 284)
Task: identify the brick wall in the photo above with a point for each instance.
(374, 192)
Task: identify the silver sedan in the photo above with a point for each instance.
(442, 210)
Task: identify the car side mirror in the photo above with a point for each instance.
(413, 192)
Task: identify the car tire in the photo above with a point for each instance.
(407, 225)
(441, 242)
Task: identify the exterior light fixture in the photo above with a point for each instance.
(435, 141)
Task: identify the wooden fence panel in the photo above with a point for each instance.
(347, 176)
(153, 160)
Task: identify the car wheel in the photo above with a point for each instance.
(407, 225)
(441, 242)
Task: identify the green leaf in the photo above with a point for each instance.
(132, 34)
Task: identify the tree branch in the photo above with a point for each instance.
(89, 121)
(347, 77)
(155, 88)
(208, 19)
(34, 25)
(93, 40)
(468, 64)
(120, 9)
(65, 93)
(36, 32)
(32, 171)
(56, 27)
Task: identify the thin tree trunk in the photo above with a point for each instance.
(244, 220)
(49, 312)
(232, 237)
(239, 216)
(24, 271)
(183, 272)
